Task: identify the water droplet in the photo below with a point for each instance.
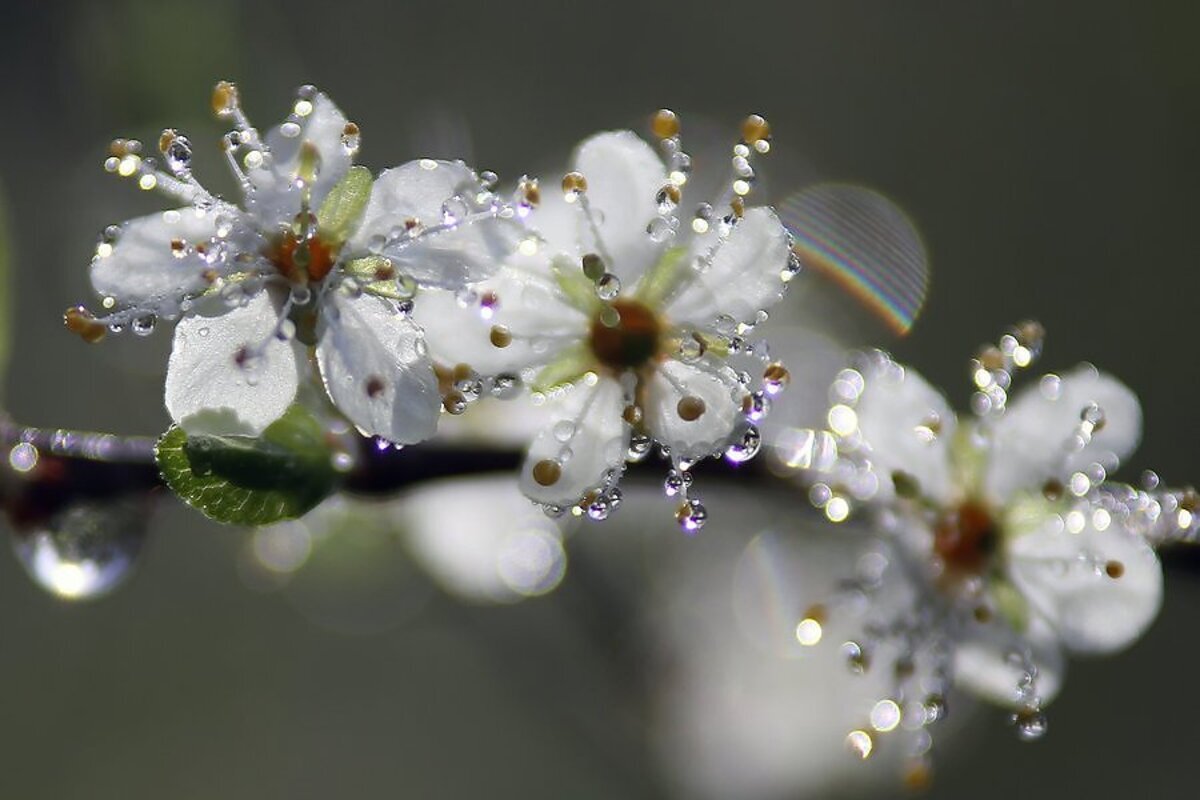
(690, 349)
(746, 447)
(505, 386)
(599, 509)
(757, 406)
(564, 430)
(143, 326)
(667, 199)
(675, 481)
(935, 708)
(85, 551)
(639, 447)
(1030, 724)
(608, 287)
(660, 229)
(454, 211)
(691, 516)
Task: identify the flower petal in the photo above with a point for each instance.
(623, 176)
(1099, 588)
(585, 438)
(154, 257)
(742, 277)
(907, 427)
(212, 387)
(443, 256)
(375, 368)
(274, 196)
(983, 662)
(1030, 442)
(526, 309)
(671, 410)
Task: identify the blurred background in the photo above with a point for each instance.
(1046, 152)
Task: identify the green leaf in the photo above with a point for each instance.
(243, 480)
(661, 279)
(343, 207)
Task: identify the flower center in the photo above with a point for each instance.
(302, 260)
(965, 538)
(625, 335)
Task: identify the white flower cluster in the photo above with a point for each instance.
(414, 292)
(1013, 544)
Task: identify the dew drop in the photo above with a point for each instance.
(659, 229)
(85, 551)
(1029, 723)
(564, 430)
(143, 326)
(691, 516)
(608, 287)
(746, 447)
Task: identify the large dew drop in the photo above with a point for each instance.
(85, 551)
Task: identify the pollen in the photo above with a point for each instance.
(224, 99)
(500, 336)
(665, 124)
(690, 408)
(547, 472)
(755, 129)
(80, 322)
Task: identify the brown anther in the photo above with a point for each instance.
(738, 206)
(1053, 490)
(530, 191)
(374, 386)
(574, 183)
(671, 194)
(1114, 569)
(817, 613)
(241, 356)
(918, 776)
(224, 99)
(210, 276)
(755, 128)
(690, 408)
(454, 403)
(411, 223)
(178, 246)
(1030, 332)
(547, 472)
(80, 322)
(1189, 500)
(665, 124)
(165, 138)
(351, 129)
(463, 372)
(991, 358)
(632, 415)
(123, 147)
(500, 336)
(982, 614)
(489, 300)
(593, 266)
(777, 373)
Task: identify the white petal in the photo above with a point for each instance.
(1068, 578)
(742, 277)
(716, 386)
(908, 427)
(376, 370)
(623, 176)
(275, 198)
(480, 540)
(527, 303)
(448, 258)
(1030, 440)
(586, 435)
(143, 266)
(983, 662)
(207, 391)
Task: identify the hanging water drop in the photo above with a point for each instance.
(746, 447)
(691, 516)
(84, 551)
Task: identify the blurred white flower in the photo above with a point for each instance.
(318, 255)
(622, 316)
(1019, 547)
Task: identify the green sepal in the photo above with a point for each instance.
(343, 207)
(661, 279)
(245, 480)
(570, 366)
(579, 291)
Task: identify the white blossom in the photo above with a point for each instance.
(622, 316)
(1018, 547)
(318, 259)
